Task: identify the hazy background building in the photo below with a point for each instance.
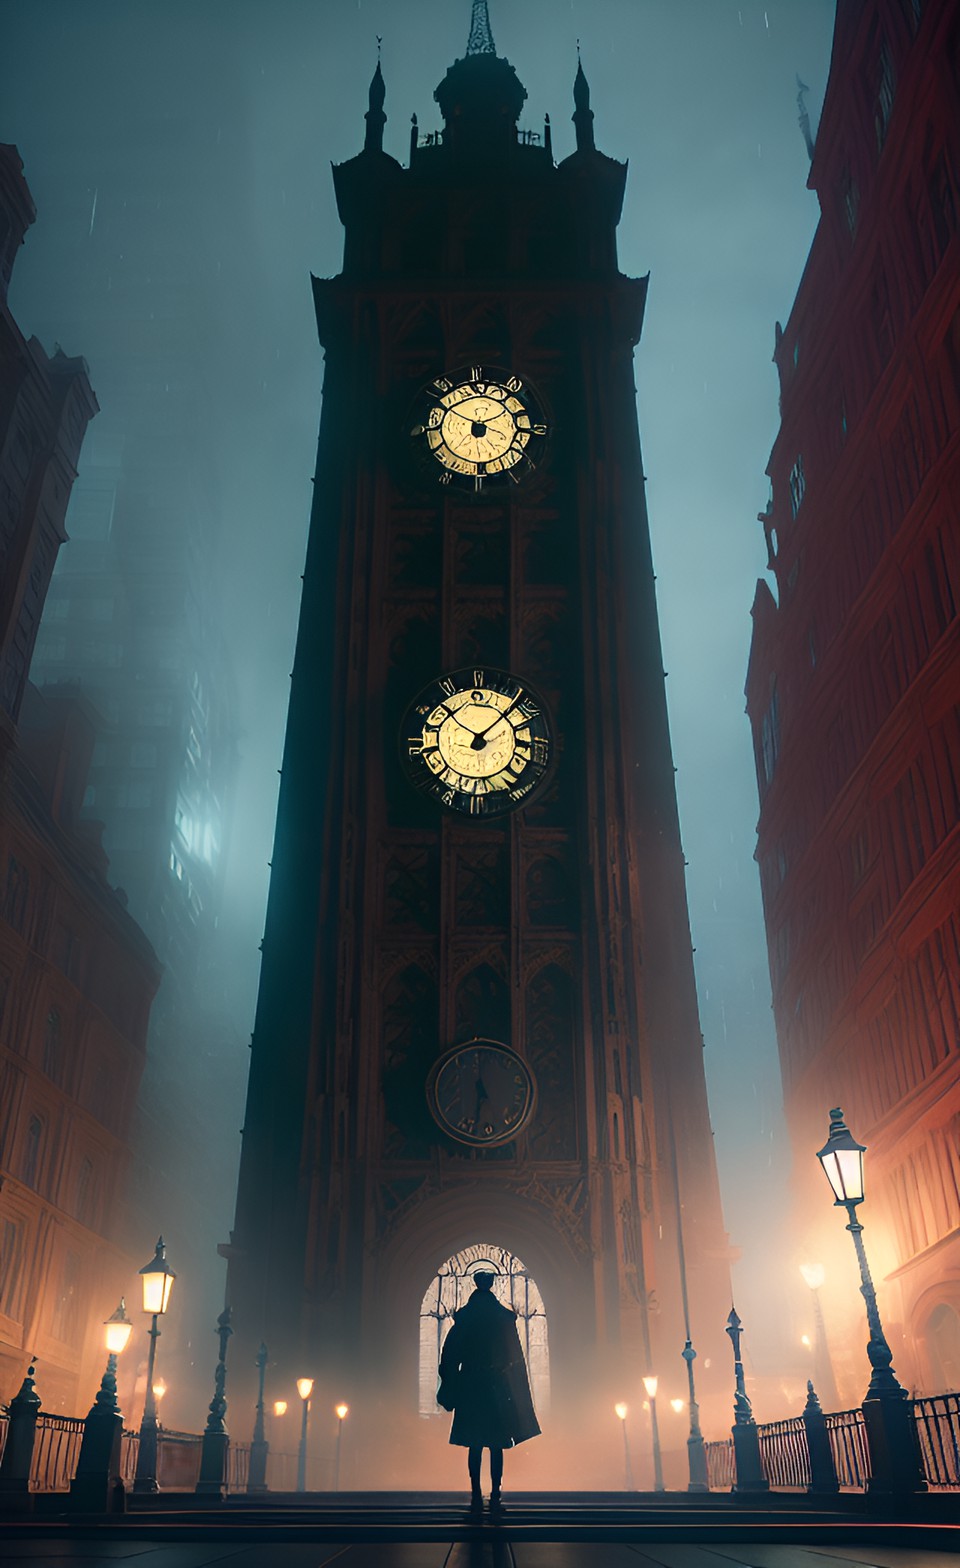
(77, 976)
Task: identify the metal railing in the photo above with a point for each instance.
(784, 1457)
(938, 1432)
(783, 1453)
(848, 1445)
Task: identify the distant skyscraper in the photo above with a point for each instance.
(854, 679)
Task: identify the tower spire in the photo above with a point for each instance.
(481, 38)
(375, 117)
(582, 112)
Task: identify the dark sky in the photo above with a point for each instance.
(178, 152)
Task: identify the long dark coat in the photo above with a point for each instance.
(483, 1377)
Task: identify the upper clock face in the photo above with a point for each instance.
(481, 1093)
(477, 740)
(478, 427)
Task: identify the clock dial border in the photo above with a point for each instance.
(521, 1069)
(442, 410)
(435, 750)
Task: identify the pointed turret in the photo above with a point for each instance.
(375, 117)
(481, 37)
(582, 112)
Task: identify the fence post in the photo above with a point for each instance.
(17, 1459)
(213, 1454)
(823, 1474)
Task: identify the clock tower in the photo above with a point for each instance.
(477, 1024)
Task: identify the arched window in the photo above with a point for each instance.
(53, 1046)
(514, 1286)
(30, 1155)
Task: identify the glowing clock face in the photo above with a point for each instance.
(481, 1093)
(478, 740)
(478, 427)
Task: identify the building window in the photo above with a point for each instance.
(513, 1286)
(30, 1154)
(64, 1322)
(886, 86)
(770, 737)
(12, 1272)
(16, 894)
(86, 1193)
(851, 202)
(798, 485)
(53, 1046)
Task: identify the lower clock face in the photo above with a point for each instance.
(477, 740)
(481, 1093)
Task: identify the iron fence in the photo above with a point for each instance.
(784, 1456)
(721, 1470)
(848, 1445)
(938, 1431)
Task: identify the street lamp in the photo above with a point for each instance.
(279, 1407)
(621, 1414)
(650, 1385)
(157, 1279)
(341, 1413)
(891, 1433)
(814, 1275)
(304, 1389)
(676, 1405)
(98, 1464)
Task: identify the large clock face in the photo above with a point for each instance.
(478, 427)
(481, 1093)
(478, 740)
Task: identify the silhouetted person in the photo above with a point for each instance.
(483, 1380)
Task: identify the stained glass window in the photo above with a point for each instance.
(450, 1289)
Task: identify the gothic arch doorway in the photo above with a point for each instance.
(514, 1285)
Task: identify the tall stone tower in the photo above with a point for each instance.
(477, 1025)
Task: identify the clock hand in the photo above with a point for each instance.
(480, 733)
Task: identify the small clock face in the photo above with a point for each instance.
(481, 1093)
(479, 427)
(478, 741)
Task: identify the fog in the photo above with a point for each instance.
(179, 157)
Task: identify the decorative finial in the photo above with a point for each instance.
(379, 42)
(804, 118)
(481, 38)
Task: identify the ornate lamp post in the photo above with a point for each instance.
(157, 1278)
(304, 1389)
(341, 1414)
(650, 1384)
(621, 1414)
(259, 1448)
(746, 1437)
(891, 1433)
(696, 1452)
(98, 1464)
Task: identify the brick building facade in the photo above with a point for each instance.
(853, 687)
